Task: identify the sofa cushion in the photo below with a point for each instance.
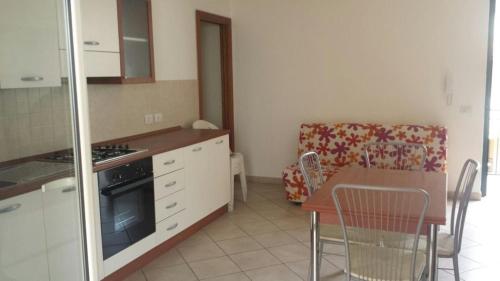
(342, 144)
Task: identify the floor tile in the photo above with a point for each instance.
(214, 267)
(136, 276)
(274, 239)
(224, 232)
(273, 273)
(254, 259)
(337, 260)
(230, 277)
(200, 252)
(170, 258)
(258, 227)
(291, 252)
(291, 223)
(238, 245)
(301, 234)
(199, 237)
(464, 264)
(173, 273)
(301, 268)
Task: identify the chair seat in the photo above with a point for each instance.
(445, 244)
(381, 257)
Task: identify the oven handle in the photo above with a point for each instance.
(115, 190)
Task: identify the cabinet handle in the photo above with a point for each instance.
(69, 189)
(169, 162)
(172, 227)
(219, 141)
(170, 184)
(10, 208)
(32, 78)
(197, 149)
(91, 43)
(171, 205)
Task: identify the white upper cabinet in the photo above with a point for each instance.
(100, 25)
(28, 49)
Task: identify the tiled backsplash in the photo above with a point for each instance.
(34, 121)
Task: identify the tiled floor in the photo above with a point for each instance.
(266, 239)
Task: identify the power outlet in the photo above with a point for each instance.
(158, 117)
(148, 119)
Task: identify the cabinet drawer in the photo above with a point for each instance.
(168, 184)
(168, 162)
(169, 205)
(170, 226)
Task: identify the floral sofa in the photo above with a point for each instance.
(342, 144)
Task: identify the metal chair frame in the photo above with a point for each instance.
(463, 192)
(399, 146)
(389, 190)
(311, 160)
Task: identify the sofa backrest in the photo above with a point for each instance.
(342, 144)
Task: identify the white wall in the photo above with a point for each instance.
(174, 31)
(361, 61)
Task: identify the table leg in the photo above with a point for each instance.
(433, 273)
(314, 265)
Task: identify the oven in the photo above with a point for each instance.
(126, 203)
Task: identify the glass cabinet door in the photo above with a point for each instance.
(136, 38)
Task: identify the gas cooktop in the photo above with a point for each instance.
(100, 154)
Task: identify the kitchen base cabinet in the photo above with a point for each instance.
(22, 238)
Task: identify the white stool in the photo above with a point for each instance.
(238, 167)
(237, 164)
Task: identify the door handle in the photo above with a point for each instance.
(169, 162)
(170, 184)
(91, 43)
(68, 189)
(197, 149)
(10, 208)
(172, 227)
(171, 205)
(32, 78)
(219, 141)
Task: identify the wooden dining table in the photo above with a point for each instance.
(322, 207)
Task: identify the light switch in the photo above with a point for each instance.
(148, 119)
(158, 117)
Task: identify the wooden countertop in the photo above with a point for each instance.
(153, 143)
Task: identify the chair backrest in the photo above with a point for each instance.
(310, 167)
(202, 124)
(395, 155)
(372, 213)
(462, 198)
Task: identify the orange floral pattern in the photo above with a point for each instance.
(342, 144)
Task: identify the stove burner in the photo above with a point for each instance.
(99, 154)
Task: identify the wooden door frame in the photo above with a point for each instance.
(226, 64)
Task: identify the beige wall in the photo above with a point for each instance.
(353, 60)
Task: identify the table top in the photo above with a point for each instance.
(435, 183)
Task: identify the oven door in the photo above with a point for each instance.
(127, 215)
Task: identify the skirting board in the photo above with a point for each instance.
(265, 180)
(154, 253)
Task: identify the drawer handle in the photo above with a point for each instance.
(169, 162)
(91, 43)
(10, 208)
(68, 189)
(219, 141)
(171, 205)
(174, 226)
(197, 149)
(170, 184)
(32, 78)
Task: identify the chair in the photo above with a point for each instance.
(312, 172)
(395, 155)
(373, 211)
(237, 164)
(449, 244)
